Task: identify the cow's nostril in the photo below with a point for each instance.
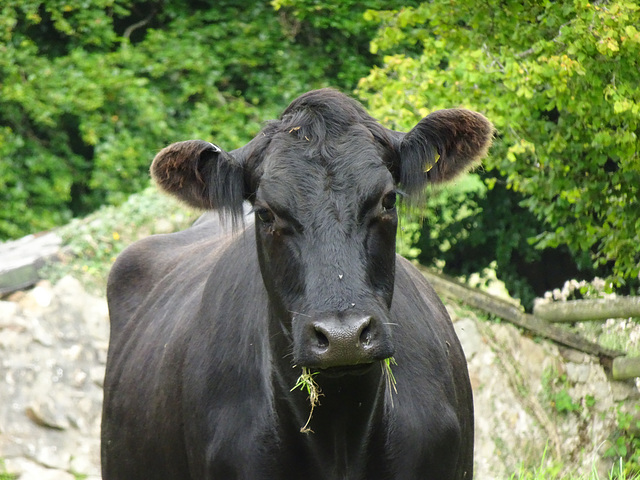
(365, 335)
(321, 339)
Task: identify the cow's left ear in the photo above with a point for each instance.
(441, 146)
(200, 174)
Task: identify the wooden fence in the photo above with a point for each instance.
(541, 323)
(20, 261)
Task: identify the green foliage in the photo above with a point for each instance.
(390, 379)
(563, 402)
(559, 80)
(3, 473)
(345, 37)
(555, 470)
(89, 94)
(422, 227)
(470, 227)
(555, 394)
(93, 243)
(545, 470)
(626, 444)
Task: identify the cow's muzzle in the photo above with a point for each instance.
(341, 340)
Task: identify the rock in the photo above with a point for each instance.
(27, 470)
(571, 355)
(84, 459)
(53, 456)
(53, 346)
(622, 391)
(97, 375)
(42, 294)
(577, 373)
(49, 407)
(41, 473)
(513, 378)
(42, 334)
(46, 413)
(7, 311)
(503, 425)
(21, 260)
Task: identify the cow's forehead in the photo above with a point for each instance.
(348, 169)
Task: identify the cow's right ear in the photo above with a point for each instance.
(200, 174)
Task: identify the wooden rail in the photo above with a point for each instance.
(587, 310)
(622, 367)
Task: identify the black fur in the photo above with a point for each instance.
(443, 145)
(209, 331)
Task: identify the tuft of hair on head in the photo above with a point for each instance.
(320, 116)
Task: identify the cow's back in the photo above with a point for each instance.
(154, 292)
(140, 267)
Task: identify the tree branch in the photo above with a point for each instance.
(131, 28)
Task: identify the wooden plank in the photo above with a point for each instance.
(625, 368)
(452, 289)
(588, 310)
(21, 260)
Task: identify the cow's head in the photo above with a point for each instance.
(324, 181)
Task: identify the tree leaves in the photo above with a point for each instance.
(561, 82)
(91, 90)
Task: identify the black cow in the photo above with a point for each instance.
(210, 331)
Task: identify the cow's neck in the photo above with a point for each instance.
(343, 426)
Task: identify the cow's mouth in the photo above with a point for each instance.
(335, 372)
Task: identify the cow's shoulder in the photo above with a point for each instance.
(412, 284)
(145, 263)
(427, 336)
(425, 319)
(423, 328)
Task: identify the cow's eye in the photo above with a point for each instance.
(389, 201)
(265, 215)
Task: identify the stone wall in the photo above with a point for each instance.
(534, 399)
(53, 344)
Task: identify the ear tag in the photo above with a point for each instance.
(216, 148)
(429, 167)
